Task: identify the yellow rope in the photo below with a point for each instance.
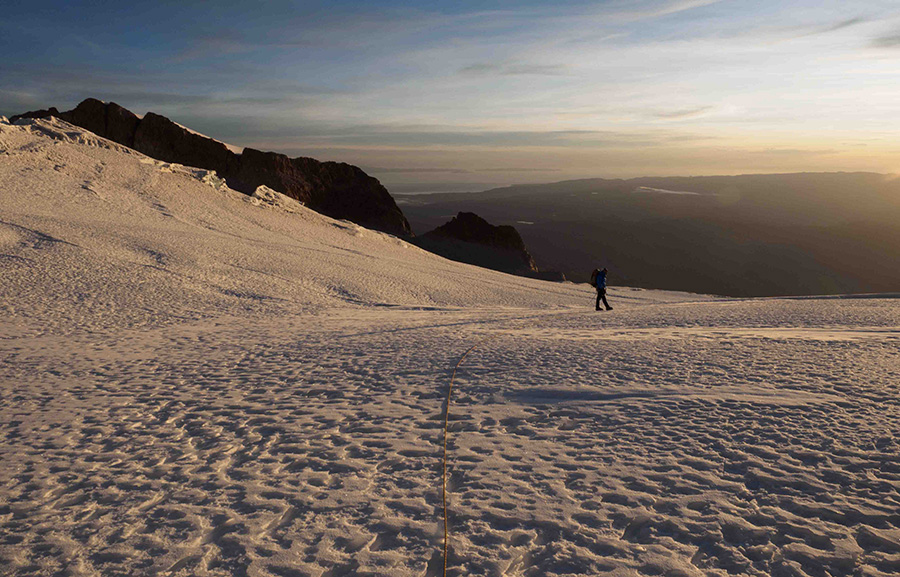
(447, 431)
(446, 437)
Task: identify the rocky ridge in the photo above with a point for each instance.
(469, 238)
(336, 189)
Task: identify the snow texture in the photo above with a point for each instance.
(199, 382)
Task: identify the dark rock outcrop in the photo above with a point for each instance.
(121, 124)
(159, 137)
(470, 227)
(471, 239)
(42, 113)
(335, 189)
(90, 114)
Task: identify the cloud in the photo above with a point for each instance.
(632, 11)
(889, 41)
(684, 113)
(194, 93)
(370, 137)
(517, 169)
(482, 69)
(677, 6)
(793, 151)
(316, 28)
(442, 170)
(845, 24)
(401, 170)
(17, 97)
(223, 43)
(828, 28)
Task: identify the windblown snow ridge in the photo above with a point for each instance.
(336, 189)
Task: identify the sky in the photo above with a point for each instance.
(467, 95)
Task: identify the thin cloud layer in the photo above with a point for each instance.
(514, 69)
(505, 78)
(889, 41)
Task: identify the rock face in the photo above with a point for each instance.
(42, 113)
(471, 239)
(159, 137)
(335, 189)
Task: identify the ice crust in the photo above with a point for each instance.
(266, 197)
(200, 382)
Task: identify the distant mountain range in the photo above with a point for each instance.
(748, 235)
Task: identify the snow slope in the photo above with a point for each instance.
(197, 382)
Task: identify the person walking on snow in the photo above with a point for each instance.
(598, 279)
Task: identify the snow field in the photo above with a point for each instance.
(196, 382)
(312, 444)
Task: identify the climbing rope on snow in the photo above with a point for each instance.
(447, 427)
(446, 438)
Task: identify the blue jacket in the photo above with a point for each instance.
(601, 280)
